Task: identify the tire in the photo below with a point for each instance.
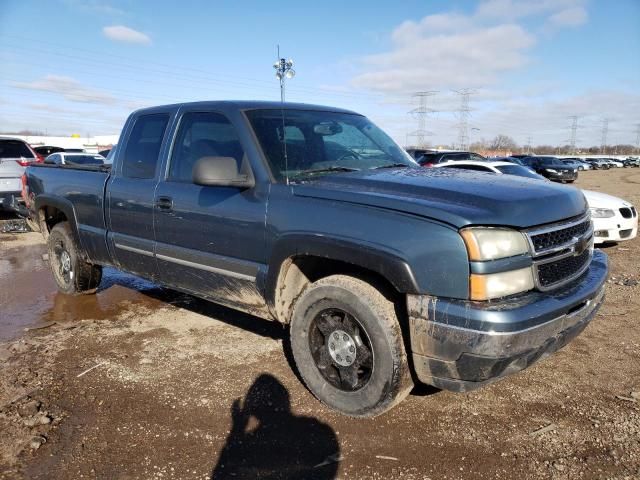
(72, 274)
(340, 303)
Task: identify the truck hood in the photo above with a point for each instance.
(456, 197)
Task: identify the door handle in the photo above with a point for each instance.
(164, 203)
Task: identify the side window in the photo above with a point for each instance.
(202, 134)
(143, 147)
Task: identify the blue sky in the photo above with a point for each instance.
(80, 66)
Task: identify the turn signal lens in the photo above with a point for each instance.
(496, 285)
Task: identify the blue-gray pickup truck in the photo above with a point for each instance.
(386, 273)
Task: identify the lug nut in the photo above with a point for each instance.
(332, 346)
(352, 349)
(349, 359)
(345, 338)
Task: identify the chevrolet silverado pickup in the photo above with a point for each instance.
(386, 273)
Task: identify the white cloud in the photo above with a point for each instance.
(451, 50)
(95, 6)
(120, 33)
(463, 57)
(69, 88)
(571, 17)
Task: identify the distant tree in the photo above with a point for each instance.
(503, 142)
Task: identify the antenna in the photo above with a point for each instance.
(284, 69)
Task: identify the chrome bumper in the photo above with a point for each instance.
(460, 345)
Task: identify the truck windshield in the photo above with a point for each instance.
(303, 143)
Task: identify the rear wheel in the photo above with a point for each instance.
(72, 274)
(348, 347)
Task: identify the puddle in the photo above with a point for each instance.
(29, 297)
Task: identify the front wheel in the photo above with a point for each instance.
(348, 347)
(72, 274)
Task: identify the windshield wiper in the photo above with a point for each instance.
(327, 170)
(391, 165)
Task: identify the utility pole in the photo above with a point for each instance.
(574, 128)
(637, 137)
(463, 113)
(528, 145)
(421, 112)
(284, 69)
(605, 131)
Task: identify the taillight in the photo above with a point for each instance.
(39, 158)
(24, 163)
(427, 164)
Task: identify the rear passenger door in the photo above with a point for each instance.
(131, 194)
(210, 239)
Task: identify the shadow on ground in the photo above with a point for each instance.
(267, 440)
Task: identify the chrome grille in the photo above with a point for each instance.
(552, 273)
(554, 238)
(561, 252)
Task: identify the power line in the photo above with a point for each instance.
(421, 112)
(463, 113)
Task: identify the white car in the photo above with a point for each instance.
(614, 219)
(72, 158)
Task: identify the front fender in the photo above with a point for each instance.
(388, 264)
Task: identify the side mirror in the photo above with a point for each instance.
(220, 172)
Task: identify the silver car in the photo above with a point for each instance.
(15, 155)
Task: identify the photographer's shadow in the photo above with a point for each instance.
(267, 441)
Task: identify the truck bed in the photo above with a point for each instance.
(80, 191)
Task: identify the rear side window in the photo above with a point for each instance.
(14, 149)
(142, 150)
(202, 134)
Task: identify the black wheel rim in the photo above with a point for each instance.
(341, 349)
(64, 266)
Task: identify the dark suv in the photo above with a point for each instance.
(433, 158)
(551, 168)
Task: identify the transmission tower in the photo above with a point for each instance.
(605, 131)
(463, 113)
(421, 112)
(528, 145)
(637, 137)
(574, 128)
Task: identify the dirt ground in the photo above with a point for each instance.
(141, 382)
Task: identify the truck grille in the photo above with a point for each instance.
(561, 252)
(556, 238)
(556, 272)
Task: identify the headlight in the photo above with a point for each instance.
(496, 285)
(484, 243)
(552, 170)
(602, 213)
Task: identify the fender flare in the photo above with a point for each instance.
(65, 206)
(389, 265)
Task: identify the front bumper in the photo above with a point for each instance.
(615, 229)
(461, 345)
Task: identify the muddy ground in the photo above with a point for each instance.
(141, 382)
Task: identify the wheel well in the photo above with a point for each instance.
(296, 273)
(48, 217)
